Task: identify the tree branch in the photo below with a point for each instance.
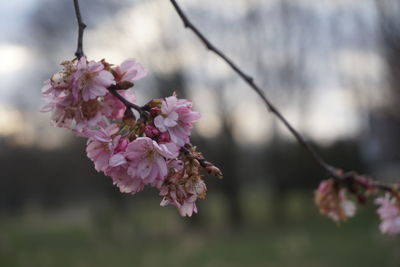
(334, 172)
(349, 178)
(129, 105)
(79, 50)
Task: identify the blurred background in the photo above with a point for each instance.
(331, 66)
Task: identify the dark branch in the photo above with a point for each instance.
(250, 81)
(206, 165)
(349, 178)
(79, 50)
(79, 53)
(129, 105)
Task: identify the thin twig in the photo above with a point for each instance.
(336, 173)
(349, 177)
(79, 50)
(79, 53)
(250, 81)
(129, 105)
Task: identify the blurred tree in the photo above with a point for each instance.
(385, 121)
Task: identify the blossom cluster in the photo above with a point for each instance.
(93, 100)
(389, 213)
(331, 198)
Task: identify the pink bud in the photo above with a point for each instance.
(155, 112)
(151, 131)
(164, 138)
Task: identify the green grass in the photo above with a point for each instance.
(158, 237)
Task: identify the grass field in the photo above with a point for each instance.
(158, 237)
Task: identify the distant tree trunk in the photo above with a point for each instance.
(231, 182)
(278, 183)
(385, 121)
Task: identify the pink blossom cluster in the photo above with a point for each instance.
(87, 97)
(331, 199)
(78, 95)
(389, 213)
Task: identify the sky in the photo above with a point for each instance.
(335, 59)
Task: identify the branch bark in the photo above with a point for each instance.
(81, 27)
(250, 81)
(348, 178)
(336, 173)
(129, 105)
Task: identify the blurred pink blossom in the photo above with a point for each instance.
(389, 213)
(130, 70)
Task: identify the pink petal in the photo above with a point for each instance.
(117, 160)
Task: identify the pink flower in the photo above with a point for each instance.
(54, 97)
(130, 70)
(118, 169)
(389, 213)
(113, 108)
(182, 188)
(91, 80)
(183, 194)
(125, 182)
(89, 116)
(186, 208)
(62, 107)
(101, 145)
(60, 82)
(148, 159)
(128, 184)
(176, 117)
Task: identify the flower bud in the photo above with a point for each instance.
(211, 169)
(155, 112)
(124, 85)
(164, 138)
(151, 131)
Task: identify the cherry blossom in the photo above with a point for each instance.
(130, 70)
(113, 108)
(101, 145)
(148, 159)
(389, 213)
(91, 80)
(93, 100)
(177, 118)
